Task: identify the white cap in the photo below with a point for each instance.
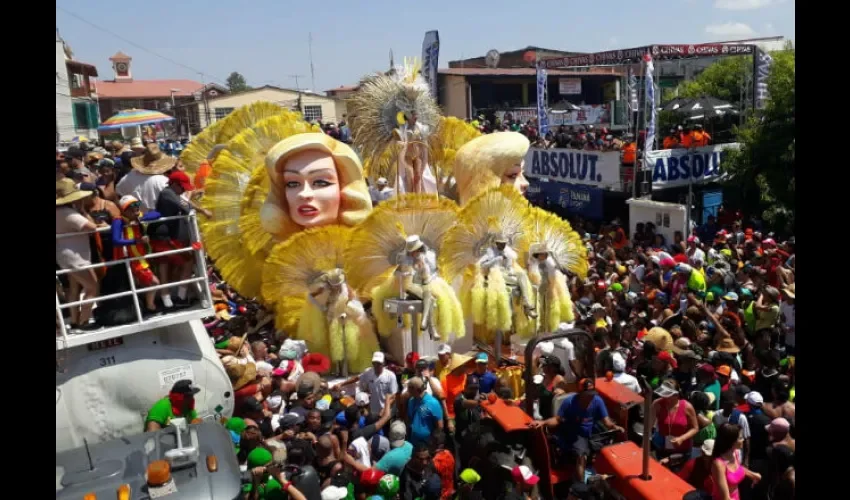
(707, 447)
(362, 399)
(334, 493)
(538, 379)
(264, 368)
(546, 347)
(444, 349)
(755, 398)
(563, 327)
(619, 362)
(382, 180)
(378, 357)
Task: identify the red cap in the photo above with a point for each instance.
(522, 474)
(666, 356)
(180, 178)
(370, 478)
(412, 357)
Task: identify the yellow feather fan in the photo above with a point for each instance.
(452, 133)
(303, 265)
(500, 209)
(377, 241)
(225, 129)
(235, 192)
(199, 149)
(563, 243)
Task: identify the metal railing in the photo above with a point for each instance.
(199, 271)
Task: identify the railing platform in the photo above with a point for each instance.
(196, 311)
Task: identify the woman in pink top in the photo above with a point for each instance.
(677, 420)
(727, 472)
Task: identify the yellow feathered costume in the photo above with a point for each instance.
(496, 212)
(375, 245)
(235, 191)
(303, 278)
(553, 246)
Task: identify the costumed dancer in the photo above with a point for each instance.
(495, 290)
(393, 253)
(396, 115)
(555, 247)
(304, 279)
(489, 161)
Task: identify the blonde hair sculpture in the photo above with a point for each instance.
(306, 265)
(481, 163)
(355, 201)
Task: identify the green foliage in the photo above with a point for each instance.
(764, 169)
(236, 82)
(723, 80)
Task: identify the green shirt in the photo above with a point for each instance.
(162, 414)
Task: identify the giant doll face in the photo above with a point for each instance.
(311, 184)
(516, 178)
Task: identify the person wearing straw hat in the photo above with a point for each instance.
(147, 181)
(74, 252)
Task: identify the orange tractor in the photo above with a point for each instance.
(633, 472)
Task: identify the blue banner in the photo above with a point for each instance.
(542, 114)
(430, 58)
(576, 199)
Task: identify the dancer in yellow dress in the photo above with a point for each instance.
(394, 253)
(495, 290)
(304, 279)
(554, 247)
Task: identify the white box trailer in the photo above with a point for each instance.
(667, 217)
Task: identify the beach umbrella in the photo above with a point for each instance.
(676, 103)
(705, 105)
(134, 117)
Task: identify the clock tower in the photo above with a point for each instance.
(121, 67)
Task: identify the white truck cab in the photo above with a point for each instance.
(108, 379)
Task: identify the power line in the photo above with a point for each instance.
(134, 44)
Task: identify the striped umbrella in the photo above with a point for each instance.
(134, 117)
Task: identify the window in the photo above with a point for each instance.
(222, 112)
(76, 81)
(313, 113)
(85, 115)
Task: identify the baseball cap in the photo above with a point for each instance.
(444, 349)
(667, 389)
(778, 426)
(259, 457)
(251, 405)
(482, 358)
(397, 434)
(619, 362)
(81, 171)
(724, 370)
(274, 400)
(412, 357)
(370, 478)
(706, 369)
(362, 399)
(181, 179)
(707, 447)
(388, 485)
(731, 296)
(126, 201)
(522, 474)
(755, 398)
(334, 493)
(290, 420)
(469, 476)
(421, 364)
(378, 357)
(185, 387)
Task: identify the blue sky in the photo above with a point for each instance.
(266, 40)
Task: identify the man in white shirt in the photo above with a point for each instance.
(381, 192)
(377, 381)
(145, 182)
(788, 310)
(694, 253)
(620, 375)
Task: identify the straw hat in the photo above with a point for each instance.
(458, 360)
(136, 143)
(790, 290)
(728, 345)
(537, 248)
(660, 337)
(412, 243)
(154, 161)
(240, 374)
(68, 192)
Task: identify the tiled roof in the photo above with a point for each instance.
(143, 89)
(524, 72)
(344, 88)
(92, 69)
(120, 56)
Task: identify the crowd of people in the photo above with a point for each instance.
(707, 321)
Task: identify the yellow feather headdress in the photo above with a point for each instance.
(558, 238)
(375, 243)
(295, 264)
(376, 106)
(496, 212)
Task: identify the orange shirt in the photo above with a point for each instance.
(670, 142)
(686, 140)
(629, 153)
(700, 139)
(453, 385)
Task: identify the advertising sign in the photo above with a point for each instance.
(678, 167)
(589, 168)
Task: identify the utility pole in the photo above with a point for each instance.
(312, 71)
(298, 91)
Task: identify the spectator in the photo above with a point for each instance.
(424, 412)
(146, 181)
(128, 241)
(416, 473)
(393, 462)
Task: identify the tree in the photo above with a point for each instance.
(236, 83)
(725, 79)
(765, 166)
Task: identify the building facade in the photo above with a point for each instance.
(76, 98)
(166, 96)
(312, 106)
